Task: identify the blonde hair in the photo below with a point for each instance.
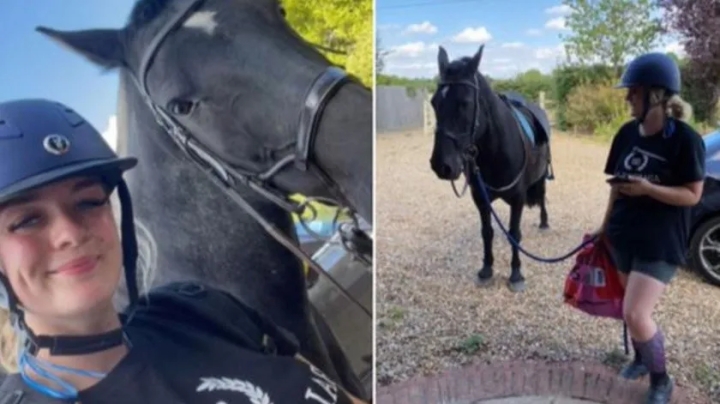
(674, 105)
(10, 344)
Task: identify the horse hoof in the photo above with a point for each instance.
(544, 226)
(483, 282)
(516, 287)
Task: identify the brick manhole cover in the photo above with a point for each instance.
(537, 400)
(521, 382)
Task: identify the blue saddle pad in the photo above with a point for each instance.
(516, 102)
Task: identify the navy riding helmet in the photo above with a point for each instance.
(653, 69)
(42, 142)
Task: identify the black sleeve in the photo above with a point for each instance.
(691, 159)
(216, 312)
(283, 340)
(612, 158)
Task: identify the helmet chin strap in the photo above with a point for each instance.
(646, 108)
(68, 345)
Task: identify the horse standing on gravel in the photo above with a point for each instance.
(499, 141)
(229, 89)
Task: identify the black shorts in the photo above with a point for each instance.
(626, 261)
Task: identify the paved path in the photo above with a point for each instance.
(521, 382)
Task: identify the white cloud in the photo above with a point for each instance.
(473, 35)
(424, 27)
(550, 52)
(498, 61)
(556, 23)
(513, 45)
(559, 10)
(534, 32)
(110, 133)
(415, 66)
(501, 60)
(411, 50)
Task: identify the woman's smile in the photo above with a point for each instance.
(79, 266)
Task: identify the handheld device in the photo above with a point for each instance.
(617, 180)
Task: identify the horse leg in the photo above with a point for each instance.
(535, 195)
(543, 211)
(346, 375)
(484, 276)
(516, 283)
(543, 217)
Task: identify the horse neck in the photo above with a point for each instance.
(202, 235)
(501, 145)
(344, 145)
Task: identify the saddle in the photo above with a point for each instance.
(528, 115)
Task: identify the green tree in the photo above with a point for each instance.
(610, 31)
(342, 28)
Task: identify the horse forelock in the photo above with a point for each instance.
(146, 11)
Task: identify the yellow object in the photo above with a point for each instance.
(324, 213)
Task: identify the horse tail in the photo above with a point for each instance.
(535, 194)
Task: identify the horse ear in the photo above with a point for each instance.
(443, 60)
(104, 47)
(477, 58)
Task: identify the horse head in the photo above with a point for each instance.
(459, 106)
(241, 92)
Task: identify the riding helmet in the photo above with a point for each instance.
(42, 142)
(653, 69)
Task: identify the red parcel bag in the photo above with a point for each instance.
(593, 285)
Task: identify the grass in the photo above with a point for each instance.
(706, 376)
(472, 344)
(394, 316)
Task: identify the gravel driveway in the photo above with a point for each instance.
(430, 314)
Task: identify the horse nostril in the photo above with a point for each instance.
(445, 170)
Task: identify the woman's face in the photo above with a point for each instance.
(60, 249)
(635, 97)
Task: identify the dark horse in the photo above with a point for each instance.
(250, 95)
(479, 129)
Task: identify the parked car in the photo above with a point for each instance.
(704, 248)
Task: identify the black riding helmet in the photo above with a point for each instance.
(650, 70)
(42, 142)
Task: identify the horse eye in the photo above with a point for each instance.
(180, 107)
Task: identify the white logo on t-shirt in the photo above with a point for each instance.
(322, 390)
(327, 392)
(255, 394)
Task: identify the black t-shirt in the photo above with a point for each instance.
(196, 345)
(651, 229)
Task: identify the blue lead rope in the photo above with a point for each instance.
(515, 244)
(512, 240)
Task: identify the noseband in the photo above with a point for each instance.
(227, 177)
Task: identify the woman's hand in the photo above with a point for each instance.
(638, 186)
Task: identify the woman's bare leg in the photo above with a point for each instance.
(641, 296)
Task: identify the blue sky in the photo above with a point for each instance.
(519, 34)
(31, 65)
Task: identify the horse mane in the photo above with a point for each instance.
(145, 11)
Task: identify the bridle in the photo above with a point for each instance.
(226, 177)
(470, 151)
